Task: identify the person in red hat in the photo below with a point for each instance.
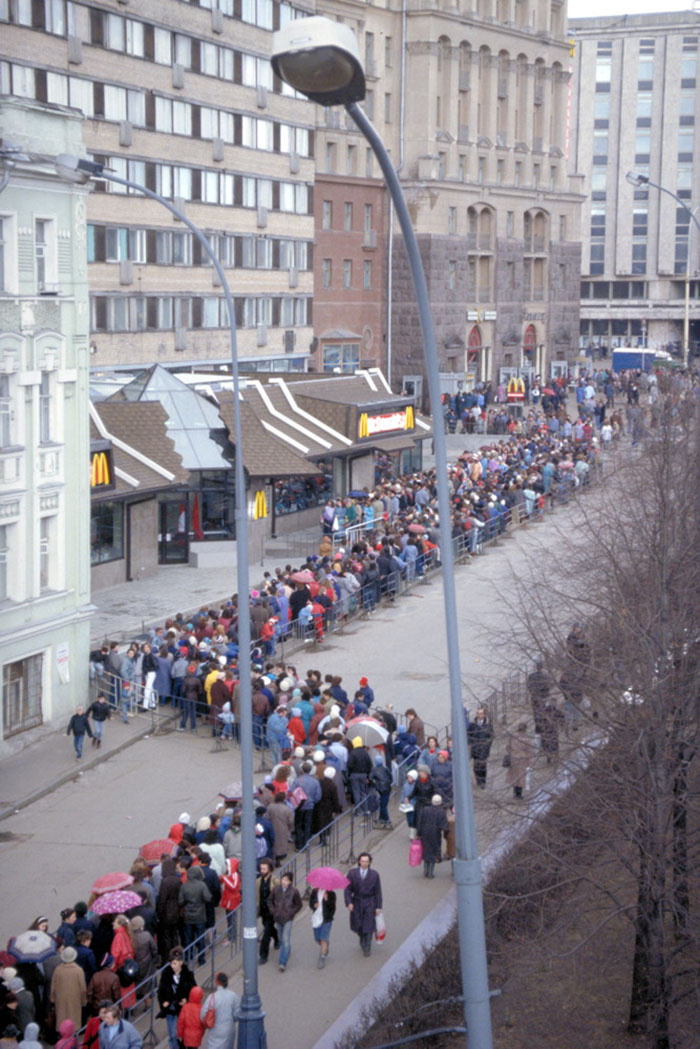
(367, 692)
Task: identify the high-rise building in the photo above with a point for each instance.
(180, 97)
(471, 100)
(634, 106)
(44, 443)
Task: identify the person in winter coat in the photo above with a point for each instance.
(380, 779)
(31, 1037)
(276, 734)
(304, 812)
(231, 896)
(358, 769)
(145, 950)
(225, 1001)
(212, 846)
(190, 1028)
(480, 738)
(432, 823)
(104, 986)
(176, 982)
(281, 817)
(520, 753)
(442, 777)
(101, 712)
(168, 909)
(285, 903)
(192, 698)
(149, 669)
(265, 885)
(193, 898)
(79, 725)
(68, 1039)
(326, 901)
(330, 804)
(363, 899)
(122, 951)
(416, 727)
(68, 990)
(124, 1037)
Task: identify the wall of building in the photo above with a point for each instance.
(144, 539)
(44, 482)
(634, 105)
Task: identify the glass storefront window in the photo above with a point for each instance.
(106, 532)
(212, 506)
(302, 493)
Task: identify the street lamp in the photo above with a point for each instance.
(320, 58)
(635, 178)
(251, 1029)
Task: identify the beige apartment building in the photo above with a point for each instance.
(635, 109)
(180, 97)
(471, 99)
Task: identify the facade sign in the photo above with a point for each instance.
(101, 468)
(385, 422)
(260, 505)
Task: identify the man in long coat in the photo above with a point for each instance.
(68, 989)
(363, 898)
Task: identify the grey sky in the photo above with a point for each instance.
(594, 8)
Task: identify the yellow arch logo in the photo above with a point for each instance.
(409, 424)
(100, 473)
(363, 428)
(260, 507)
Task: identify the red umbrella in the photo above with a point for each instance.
(152, 851)
(548, 390)
(116, 902)
(305, 576)
(326, 878)
(111, 882)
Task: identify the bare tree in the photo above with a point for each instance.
(630, 677)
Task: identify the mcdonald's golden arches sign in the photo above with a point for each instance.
(260, 505)
(385, 422)
(101, 467)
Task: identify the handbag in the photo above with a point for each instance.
(415, 853)
(297, 797)
(317, 917)
(210, 1014)
(371, 801)
(380, 927)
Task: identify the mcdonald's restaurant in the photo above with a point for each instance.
(319, 436)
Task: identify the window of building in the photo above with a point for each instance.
(4, 252)
(5, 412)
(601, 107)
(597, 263)
(600, 144)
(387, 51)
(518, 172)
(369, 162)
(642, 145)
(45, 408)
(686, 143)
(462, 167)
(451, 275)
(481, 169)
(639, 257)
(510, 223)
(46, 537)
(21, 695)
(347, 217)
(331, 151)
(452, 220)
(367, 274)
(4, 586)
(106, 532)
(347, 273)
(327, 272)
(500, 172)
(368, 217)
(327, 218)
(344, 357)
(351, 160)
(387, 108)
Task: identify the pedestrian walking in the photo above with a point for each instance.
(194, 896)
(100, 712)
(322, 903)
(190, 1028)
(285, 903)
(79, 725)
(480, 738)
(265, 884)
(432, 824)
(176, 982)
(520, 754)
(363, 899)
(68, 992)
(231, 896)
(225, 1003)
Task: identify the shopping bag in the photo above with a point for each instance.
(379, 927)
(415, 853)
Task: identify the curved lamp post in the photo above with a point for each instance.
(320, 58)
(635, 178)
(251, 1030)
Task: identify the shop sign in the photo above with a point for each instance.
(101, 469)
(386, 422)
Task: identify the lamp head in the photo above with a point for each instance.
(321, 59)
(636, 179)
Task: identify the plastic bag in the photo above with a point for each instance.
(379, 927)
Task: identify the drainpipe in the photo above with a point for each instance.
(390, 268)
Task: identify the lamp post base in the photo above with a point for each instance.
(251, 1027)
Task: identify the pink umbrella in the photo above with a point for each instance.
(111, 882)
(116, 902)
(303, 577)
(326, 878)
(152, 851)
(416, 528)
